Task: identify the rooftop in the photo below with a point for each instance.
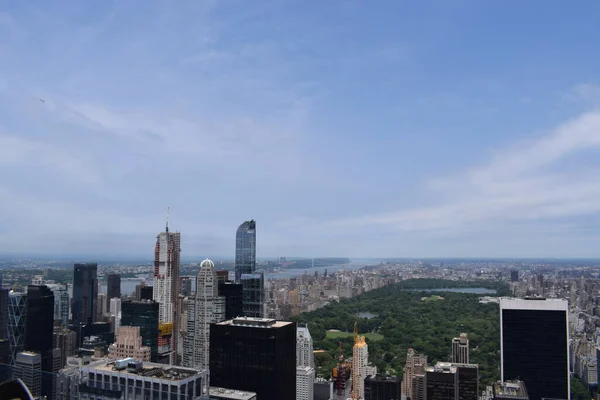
(149, 369)
(231, 394)
(255, 322)
(511, 389)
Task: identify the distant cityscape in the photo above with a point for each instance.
(231, 330)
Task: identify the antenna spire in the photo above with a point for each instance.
(167, 226)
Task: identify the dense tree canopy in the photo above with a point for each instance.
(406, 321)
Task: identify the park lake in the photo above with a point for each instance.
(469, 290)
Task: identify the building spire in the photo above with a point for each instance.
(167, 225)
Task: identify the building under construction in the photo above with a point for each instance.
(341, 375)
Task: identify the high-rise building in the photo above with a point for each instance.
(514, 276)
(28, 368)
(39, 329)
(17, 320)
(253, 295)
(534, 345)
(204, 308)
(65, 340)
(3, 313)
(414, 363)
(115, 306)
(254, 354)
(166, 284)
(101, 306)
(129, 344)
(233, 294)
(460, 349)
(382, 387)
(304, 348)
(85, 294)
(245, 249)
(467, 376)
(146, 293)
(61, 304)
(441, 382)
(305, 380)
(5, 367)
(113, 288)
(360, 360)
(143, 313)
(185, 285)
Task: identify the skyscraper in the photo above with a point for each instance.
(233, 293)
(128, 343)
(254, 354)
(39, 329)
(85, 294)
(460, 349)
(415, 364)
(166, 283)
(360, 360)
(113, 288)
(253, 295)
(17, 319)
(304, 348)
(305, 380)
(534, 345)
(245, 249)
(65, 340)
(28, 368)
(61, 304)
(205, 308)
(144, 314)
(3, 313)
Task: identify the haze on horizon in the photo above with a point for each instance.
(345, 128)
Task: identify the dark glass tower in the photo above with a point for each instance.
(145, 315)
(3, 313)
(253, 295)
(254, 354)
(39, 329)
(245, 249)
(233, 299)
(113, 288)
(534, 344)
(85, 293)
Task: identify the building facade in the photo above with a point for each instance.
(304, 348)
(166, 283)
(85, 294)
(534, 345)
(113, 288)
(460, 349)
(129, 344)
(233, 293)
(144, 314)
(245, 249)
(17, 320)
(305, 380)
(204, 308)
(256, 355)
(253, 295)
(360, 360)
(39, 330)
(415, 364)
(28, 368)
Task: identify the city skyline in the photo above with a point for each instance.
(388, 129)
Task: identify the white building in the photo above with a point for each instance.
(115, 306)
(305, 380)
(205, 308)
(360, 361)
(166, 282)
(460, 349)
(304, 348)
(61, 303)
(132, 380)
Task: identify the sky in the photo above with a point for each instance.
(344, 128)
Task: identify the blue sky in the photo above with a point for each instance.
(350, 128)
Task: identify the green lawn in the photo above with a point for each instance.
(340, 335)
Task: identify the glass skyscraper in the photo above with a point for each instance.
(245, 249)
(85, 294)
(144, 314)
(17, 319)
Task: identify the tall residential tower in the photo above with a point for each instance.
(245, 249)
(166, 284)
(85, 294)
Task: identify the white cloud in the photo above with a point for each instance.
(525, 182)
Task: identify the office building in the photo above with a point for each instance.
(304, 348)
(3, 313)
(514, 276)
(233, 294)
(204, 308)
(61, 304)
(382, 387)
(65, 340)
(440, 382)
(129, 379)
(245, 249)
(129, 344)
(534, 345)
(418, 385)
(17, 320)
(113, 288)
(102, 308)
(253, 292)
(166, 284)
(146, 293)
(510, 390)
(85, 294)
(185, 285)
(415, 363)
(322, 389)
(460, 349)
(39, 330)
(467, 376)
(254, 354)
(143, 313)
(115, 306)
(28, 368)
(305, 380)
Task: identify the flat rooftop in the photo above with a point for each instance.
(255, 322)
(149, 369)
(231, 394)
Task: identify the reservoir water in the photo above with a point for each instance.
(471, 290)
